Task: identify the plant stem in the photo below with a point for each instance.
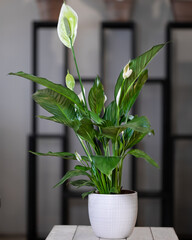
(84, 148)
(79, 76)
(98, 179)
(120, 171)
(104, 183)
(89, 148)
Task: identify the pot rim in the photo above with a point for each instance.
(129, 192)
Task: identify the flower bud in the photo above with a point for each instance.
(80, 95)
(118, 96)
(70, 81)
(78, 157)
(127, 71)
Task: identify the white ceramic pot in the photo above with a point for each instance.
(113, 215)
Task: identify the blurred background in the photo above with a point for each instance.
(110, 33)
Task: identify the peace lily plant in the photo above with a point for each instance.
(107, 133)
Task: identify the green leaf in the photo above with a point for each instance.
(111, 113)
(83, 168)
(96, 118)
(114, 190)
(131, 96)
(70, 174)
(86, 131)
(140, 124)
(96, 97)
(53, 86)
(82, 183)
(120, 80)
(113, 131)
(137, 65)
(135, 138)
(64, 155)
(128, 134)
(106, 164)
(85, 194)
(61, 107)
(140, 154)
(52, 118)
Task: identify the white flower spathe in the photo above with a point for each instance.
(67, 25)
(130, 117)
(127, 71)
(78, 156)
(105, 98)
(80, 95)
(118, 96)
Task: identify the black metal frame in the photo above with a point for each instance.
(165, 194)
(32, 143)
(114, 25)
(173, 138)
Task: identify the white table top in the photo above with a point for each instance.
(73, 232)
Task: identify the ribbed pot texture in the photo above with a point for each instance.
(113, 215)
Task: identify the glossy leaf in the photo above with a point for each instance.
(140, 124)
(128, 133)
(106, 164)
(111, 112)
(131, 96)
(86, 131)
(85, 194)
(81, 183)
(96, 118)
(58, 105)
(140, 154)
(70, 174)
(53, 86)
(83, 168)
(64, 155)
(135, 138)
(96, 97)
(52, 118)
(119, 83)
(114, 190)
(137, 65)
